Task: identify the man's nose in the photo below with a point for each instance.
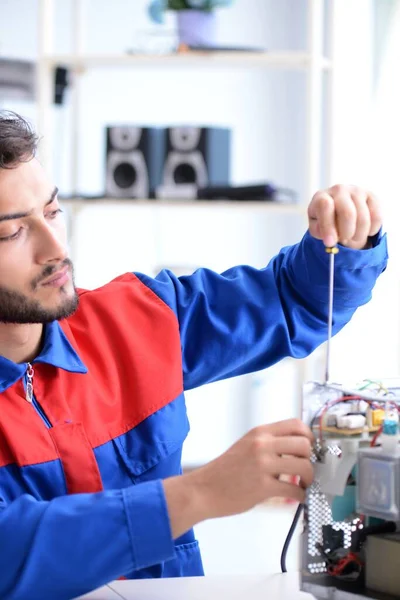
(51, 245)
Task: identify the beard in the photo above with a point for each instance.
(17, 308)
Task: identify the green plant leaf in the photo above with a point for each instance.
(177, 5)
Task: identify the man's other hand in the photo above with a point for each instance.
(247, 474)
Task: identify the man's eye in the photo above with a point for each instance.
(14, 236)
(54, 213)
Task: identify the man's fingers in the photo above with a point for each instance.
(288, 490)
(314, 229)
(289, 427)
(288, 465)
(375, 214)
(363, 218)
(346, 215)
(293, 446)
(322, 210)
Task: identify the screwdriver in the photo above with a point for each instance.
(331, 251)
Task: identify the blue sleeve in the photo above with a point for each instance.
(73, 544)
(248, 319)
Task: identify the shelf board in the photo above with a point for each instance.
(273, 207)
(286, 60)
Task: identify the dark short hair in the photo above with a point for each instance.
(18, 141)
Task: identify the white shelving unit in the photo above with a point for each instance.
(283, 60)
(313, 62)
(272, 207)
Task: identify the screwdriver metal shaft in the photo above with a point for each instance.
(331, 252)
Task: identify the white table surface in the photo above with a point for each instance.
(239, 587)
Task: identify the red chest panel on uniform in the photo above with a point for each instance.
(129, 341)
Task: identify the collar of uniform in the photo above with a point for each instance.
(57, 351)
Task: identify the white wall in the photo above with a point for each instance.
(366, 133)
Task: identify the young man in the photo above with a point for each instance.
(92, 412)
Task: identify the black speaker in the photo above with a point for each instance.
(195, 157)
(134, 161)
(61, 82)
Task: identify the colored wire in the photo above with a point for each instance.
(351, 558)
(372, 382)
(377, 434)
(328, 405)
(364, 387)
(325, 408)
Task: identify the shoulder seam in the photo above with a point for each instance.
(153, 294)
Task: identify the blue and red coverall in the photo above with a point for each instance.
(81, 498)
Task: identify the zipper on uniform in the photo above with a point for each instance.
(29, 383)
(29, 396)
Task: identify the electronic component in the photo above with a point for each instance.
(351, 421)
(378, 489)
(375, 417)
(332, 539)
(382, 554)
(354, 502)
(343, 559)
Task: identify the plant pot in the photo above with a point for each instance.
(197, 27)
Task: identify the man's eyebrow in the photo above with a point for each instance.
(21, 215)
(53, 196)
